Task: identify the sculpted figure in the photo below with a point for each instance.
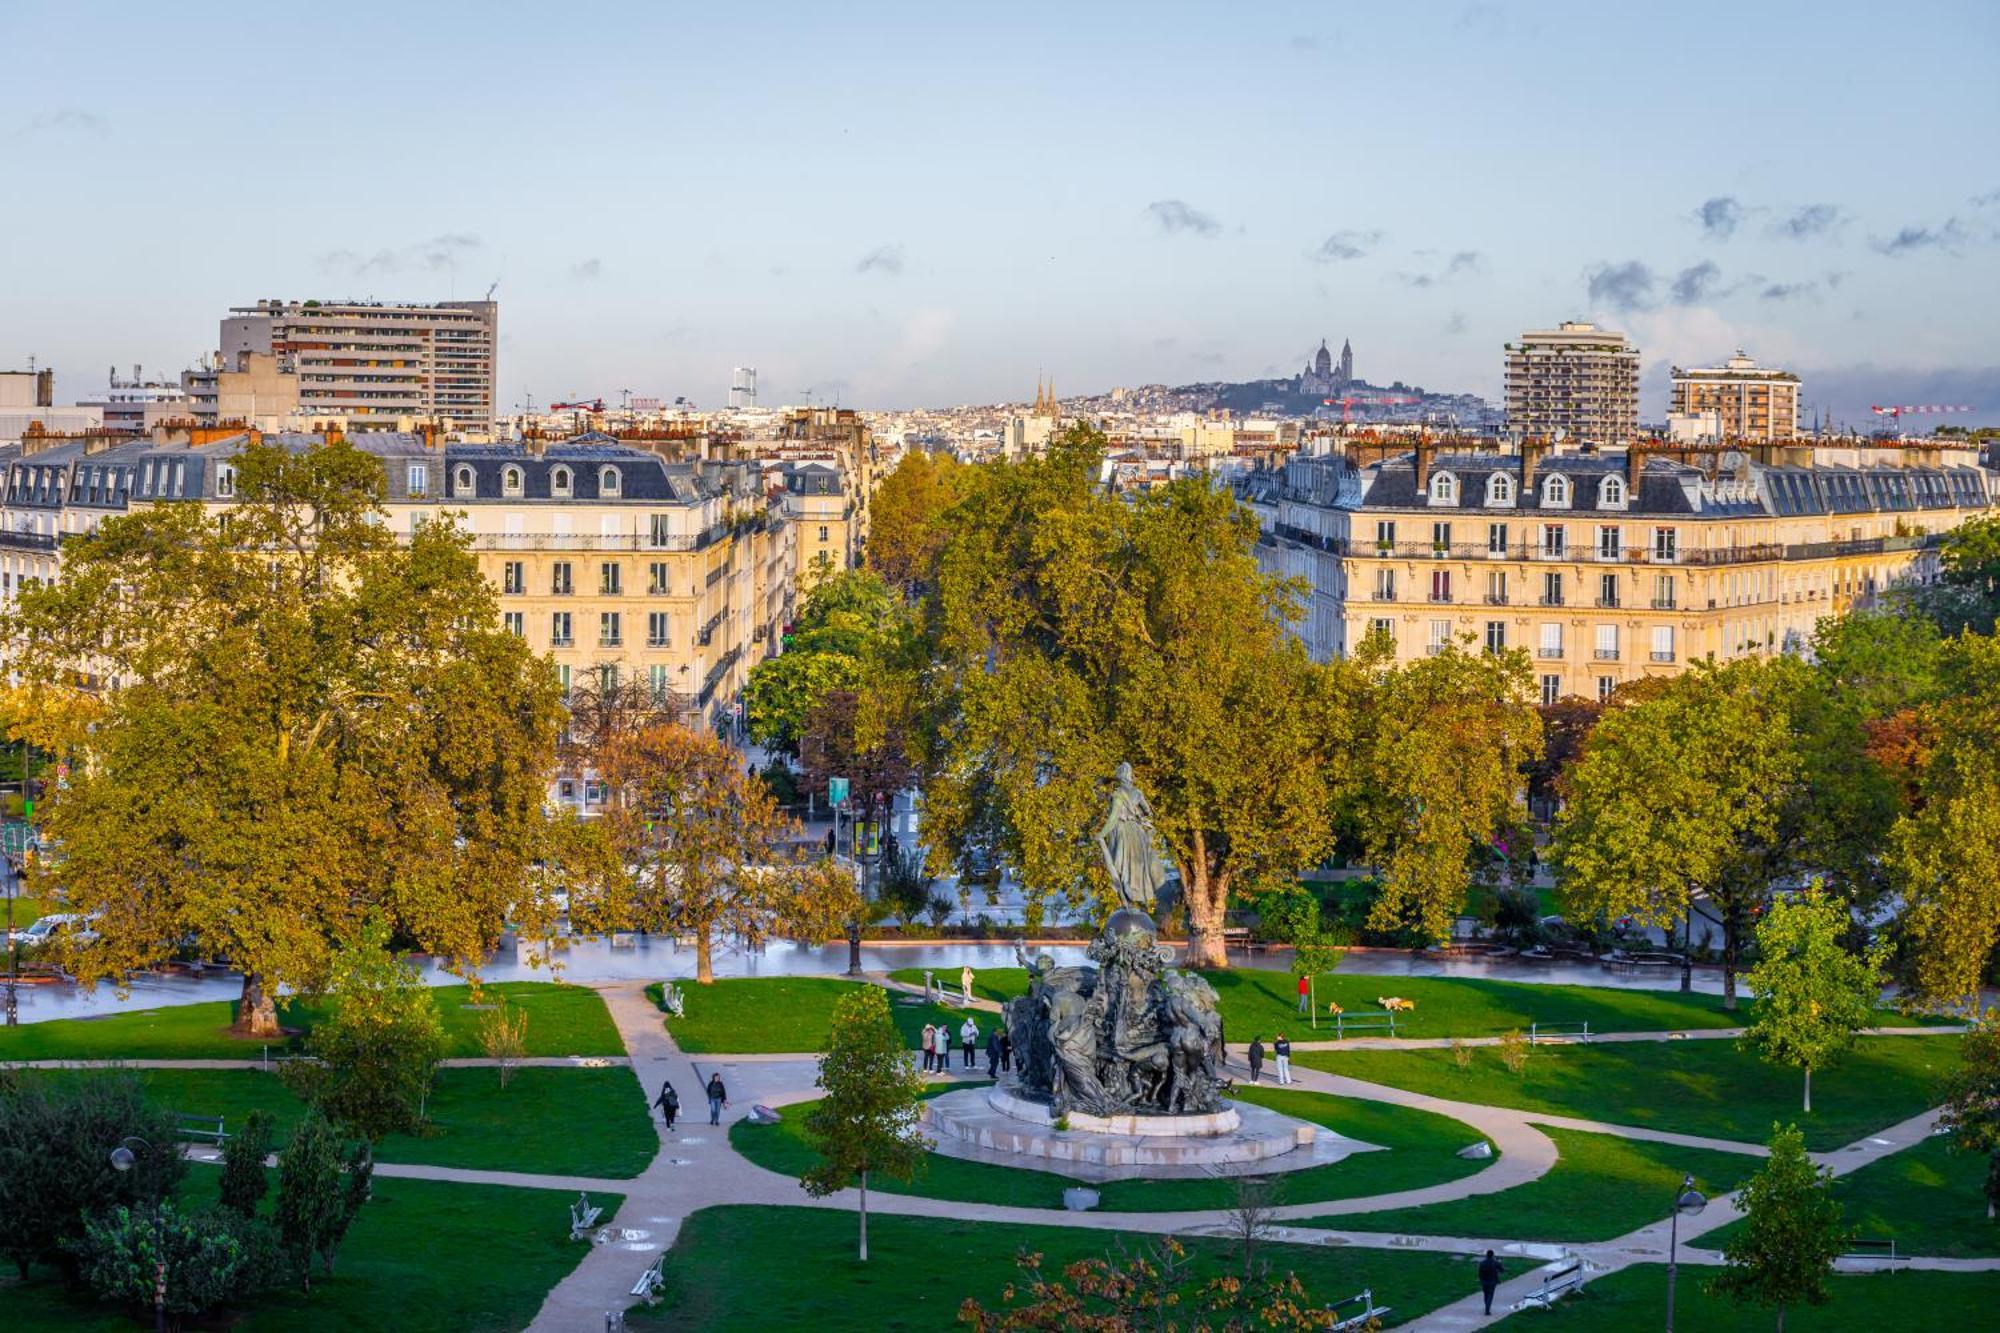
(1131, 849)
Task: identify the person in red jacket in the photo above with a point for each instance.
(1305, 989)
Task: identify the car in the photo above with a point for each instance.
(48, 928)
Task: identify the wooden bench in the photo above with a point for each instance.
(1366, 1311)
(198, 1125)
(1555, 1285)
(1382, 1021)
(652, 1281)
(583, 1215)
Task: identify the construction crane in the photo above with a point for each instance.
(582, 405)
(1897, 412)
(1384, 400)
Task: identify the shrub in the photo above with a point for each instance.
(939, 909)
(375, 1056)
(1461, 1054)
(1514, 1052)
(243, 1181)
(315, 1205)
(503, 1035)
(905, 886)
(1517, 916)
(212, 1258)
(1286, 915)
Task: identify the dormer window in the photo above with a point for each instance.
(463, 484)
(225, 481)
(1500, 491)
(607, 481)
(1611, 493)
(1555, 492)
(1444, 488)
(510, 480)
(559, 480)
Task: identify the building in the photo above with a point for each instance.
(1577, 384)
(138, 404)
(27, 406)
(1608, 567)
(820, 506)
(245, 387)
(1322, 378)
(369, 364)
(27, 389)
(1737, 401)
(743, 388)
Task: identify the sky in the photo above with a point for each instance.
(907, 205)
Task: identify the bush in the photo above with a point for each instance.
(212, 1258)
(315, 1205)
(1286, 915)
(1514, 1052)
(782, 783)
(940, 909)
(1461, 1054)
(243, 1154)
(374, 1057)
(1517, 916)
(503, 1035)
(905, 886)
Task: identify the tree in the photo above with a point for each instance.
(1792, 1231)
(906, 517)
(1069, 630)
(203, 1260)
(314, 720)
(836, 743)
(320, 1189)
(243, 1153)
(1813, 996)
(503, 1035)
(1971, 1112)
(376, 1054)
(848, 621)
(1566, 725)
(704, 844)
(867, 1121)
(1685, 796)
(605, 707)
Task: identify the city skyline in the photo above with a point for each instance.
(898, 208)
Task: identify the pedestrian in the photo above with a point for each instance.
(669, 1103)
(1282, 1049)
(829, 842)
(929, 1047)
(1006, 1050)
(968, 1041)
(965, 983)
(993, 1052)
(718, 1097)
(1256, 1057)
(941, 1048)
(1489, 1278)
(1305, 992)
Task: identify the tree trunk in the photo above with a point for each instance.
(1781, 1319)
(864, 1217)
(1687, 951)
(704, 958)
(256, 1012)
(1730, 948)
(1808, 1089)
(1205, 896)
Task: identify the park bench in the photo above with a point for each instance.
(197, 1125)
(1541, 1032)
(672, 1000)
(1875, 1250)
(583, 1215)
(652, 1281)
(1366, 1310)
(1373, 1021)
(1555, 1285)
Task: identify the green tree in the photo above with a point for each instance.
(1685, 796)
(243, 1153)
(1813, 995)
(375, 1056)
(867, 1122)
(849, 619)
(1972, 1101)
(1792, 1231)
(315, 720)
(906, 517)
(207, 1262)
(320, 1189)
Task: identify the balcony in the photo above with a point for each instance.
(1551, 599)
(1546, 652)
(1659, 656)
(1665, 604)
(1496, 599)
(1609, 603)
(1604, 654)
(610, 641)
(1437, 596)
(1435, 649)
(562, 641)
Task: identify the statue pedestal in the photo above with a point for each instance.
(1009, 1103)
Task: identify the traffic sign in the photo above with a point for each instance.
(836, 791)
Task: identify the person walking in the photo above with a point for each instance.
(927, 1044)
(1282, 1049)
(993, 1053)
(718, 1097)
(1006, 1050)
(941, 1048)
(1489, 1279)
(669, 1103)
(1305, 992)
(968, 1042)
(965, 984)
(1256, 1057)
(831, 837)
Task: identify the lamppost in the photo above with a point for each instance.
(1690, 1201)
(123, 1159)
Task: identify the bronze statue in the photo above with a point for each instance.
(1130, 847)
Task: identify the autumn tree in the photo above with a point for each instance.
(1070, 630)
(849, 619)
(906, 517)
(607, 706)
(867, 1121)
(1813, 996)
(1566, 724)
(1971, 1113)
(314, 720)
(1792, 1231)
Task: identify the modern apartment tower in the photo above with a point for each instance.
(1739, 401)
(356, 359)
(1577, 379)
(743, 387)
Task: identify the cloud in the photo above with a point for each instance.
(67, 119)
(1806, 223)
(1849, 390)
(1623, 287)
(1302, 42)
(587, 271)
(882, 259)
(1175, 216)
(432, 256)
(1720, 217)
(1986, 200)
(1455, 326)
(1694, 284)
(1788, 291)
(1950, 237)
(1462, 264)
(1344, 245)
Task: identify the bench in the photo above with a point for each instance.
(197, 1125)
(672, 1000)
(1555, 1285)
(1873, 1250)
(652, 1281)
(1366, 1312)
(583, 1215)
(1383, 1021)
(1541, 1032)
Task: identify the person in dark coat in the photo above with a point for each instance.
(1006, 1049)
(1489, 1279)
(829, 842)
(993, 1052)
(669, 1103)
(1256, 1058)
(718, 1097)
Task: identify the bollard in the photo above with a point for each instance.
(614, 1321)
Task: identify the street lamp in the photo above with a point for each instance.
(1689, 1202)
(123, 1159)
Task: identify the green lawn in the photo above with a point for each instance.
(1906, 1302)
(1709, 1088)
(1928, 1199)
(741, 1267)
(1602, 1187)
(562, 1020)
(583, 1122)
(1422, 1150)
(423, 1257)
(762, 1015)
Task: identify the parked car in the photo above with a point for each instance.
(65, 924)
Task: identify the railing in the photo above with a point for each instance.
(1665, 604)
(1437, 596)
(1609, 603)
(1658, 656)
(596, 541)
(1318, 541)
(1604, 654)
(1644, 555)
(1551, 599)
(1496, 599)
(29, 541)
(1548, 652)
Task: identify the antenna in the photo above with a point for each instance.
(494, 288)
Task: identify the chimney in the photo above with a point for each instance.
(1635, 468)
(1531, 455)
(1426, 451)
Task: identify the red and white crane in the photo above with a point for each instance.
(1897, 412)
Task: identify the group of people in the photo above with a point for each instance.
(669, 1101)
(936, 1042)
(1281, 1050)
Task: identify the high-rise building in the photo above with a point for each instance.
(743, 387)
(361, 360)
(1577, 379)
(1739, 400)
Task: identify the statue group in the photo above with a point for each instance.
(1130, 1035)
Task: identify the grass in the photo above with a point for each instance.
(1602, 1187)
(1710, 1088)
(764, 1015)
(562, 1020)
(26, 912)
(741, 1267)
(1422, 1150)
(1927, 1198)
(581, 1122)
(1636, 1297)
(423, 1257)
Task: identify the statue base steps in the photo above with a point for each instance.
(997, 1125)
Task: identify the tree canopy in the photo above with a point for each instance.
(1792, 1231)
(1813, 995)
(867, 1122)
(906, 529)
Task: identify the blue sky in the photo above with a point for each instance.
(910, 204)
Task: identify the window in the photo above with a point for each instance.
(658, 626)
(610, 578)
(514, 578)
(662, 530)
(559, 480)
(1552, 688)
(510, 480)
(1440, 637)
(607, 480)
(1606, 649)
(822, 532)
(1385, 533)
(1496, 541)
(463, 482)
(562, 668)
(1666, 546)
(1384, 627)
(419, 478)
(1607, 590)
(1611, 492)
(1440, 539)
(656, 579)
(1555, 492)
(1552, 589)
(1440, 585)
(1552, 639)
(1663, 643)
(1385, 585)
(1500, 490)
(1496, 636)
(560, 582)
(225, 481)
(180, 478)
(1496, 587)
(609, 634)
(1610, 541)
(559, 635)
(1663, 592)
(514, 623)
(1606, 686)
(1555, 541)
(656, 676)
(1444, 488)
